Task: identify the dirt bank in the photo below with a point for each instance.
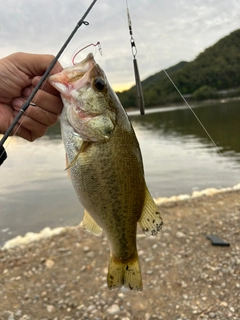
(185, 277)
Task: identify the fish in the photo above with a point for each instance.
(105, 165)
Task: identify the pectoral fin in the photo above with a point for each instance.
(90, 225)
(83, 147)
(151, 220)
(67, 165)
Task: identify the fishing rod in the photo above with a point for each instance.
(140, 97)
(3, 154)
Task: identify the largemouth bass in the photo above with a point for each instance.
(105, 165)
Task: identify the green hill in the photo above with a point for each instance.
(216, 69)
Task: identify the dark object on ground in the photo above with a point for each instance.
(3, 155)
(64, 277)
(217, 241)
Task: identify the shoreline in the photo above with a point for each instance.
(185, 277)
(193, 104)
(47, 232)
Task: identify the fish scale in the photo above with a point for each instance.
(106, 169)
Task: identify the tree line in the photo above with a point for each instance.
(213, 74)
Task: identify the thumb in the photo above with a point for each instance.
(34, 64)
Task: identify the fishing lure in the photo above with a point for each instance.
(140, 97)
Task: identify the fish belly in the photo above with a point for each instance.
(109, 180)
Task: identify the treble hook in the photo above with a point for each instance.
(89, 45)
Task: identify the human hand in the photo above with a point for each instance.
(19, 74)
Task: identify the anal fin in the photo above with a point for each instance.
(151, 221)
(90, 225)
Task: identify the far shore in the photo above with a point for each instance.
(192, 103)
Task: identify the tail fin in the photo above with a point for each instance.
(127, 274)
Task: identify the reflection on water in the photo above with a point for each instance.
(222, 122)
(178, 158)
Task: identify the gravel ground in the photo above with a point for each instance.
(184, 276)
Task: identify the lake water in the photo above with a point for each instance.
(178, 159)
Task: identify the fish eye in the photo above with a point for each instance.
(99, 84)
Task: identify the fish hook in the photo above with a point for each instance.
(89, 45)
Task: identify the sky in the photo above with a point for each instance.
(165, 32)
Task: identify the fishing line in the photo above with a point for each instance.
(173, 249)
(199, 121)
(170, 79)
(185, 101)
(175, 258)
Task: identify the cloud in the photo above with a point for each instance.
(165, 32)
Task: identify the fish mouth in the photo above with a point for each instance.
(74, 77)
(84, 92)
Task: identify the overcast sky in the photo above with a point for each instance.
(165, 31)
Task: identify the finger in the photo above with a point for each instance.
(35, 113)
(46, 86)
(48, 102)
(29, 129)
(6, 117)
(44, 100)
(35, 64)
